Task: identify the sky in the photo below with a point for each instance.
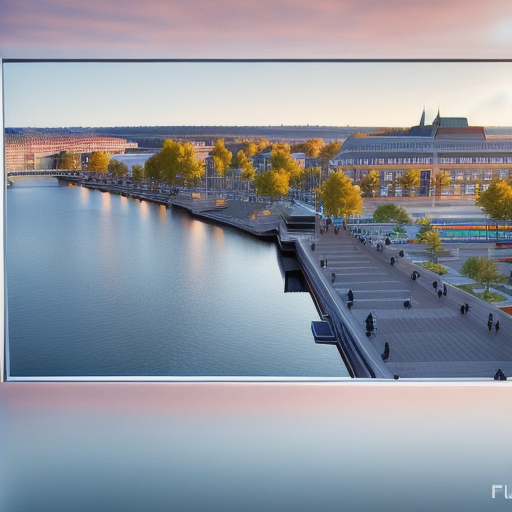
(333, 94)
(256, 29)
(57, 94)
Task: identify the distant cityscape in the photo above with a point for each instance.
(471, 156)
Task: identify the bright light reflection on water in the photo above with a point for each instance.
(104, 285)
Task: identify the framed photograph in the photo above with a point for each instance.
(188, 340)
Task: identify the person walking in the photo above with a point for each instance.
(497, 326)
(489, 324)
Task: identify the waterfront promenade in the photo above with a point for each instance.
(431, 339)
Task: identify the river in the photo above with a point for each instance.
(102, 285)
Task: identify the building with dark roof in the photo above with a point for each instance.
(471, 157)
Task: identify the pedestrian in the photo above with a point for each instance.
(497, 326)
(490, 317)
(445, 291)
(466, 307)
(489, 325)
(462, 309)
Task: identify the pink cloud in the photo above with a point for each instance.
(240, 28)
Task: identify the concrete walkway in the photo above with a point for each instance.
(431, 339)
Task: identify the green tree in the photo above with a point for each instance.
(391, 213)
(425, 227)
(339, 196)
(370, 183)
(98, 162)
(272, 183)
(409, 181)
(483, 270)
(434, 245)
(221, 159)
(117, 168)
(137, 172)
(154, 168)
(171, 161)
(68, 160)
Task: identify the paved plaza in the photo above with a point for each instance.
(431, 339)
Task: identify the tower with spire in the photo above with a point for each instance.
(422, 120)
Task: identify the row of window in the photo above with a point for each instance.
(480, 174)
(476, 160)
(418, 160)
(505, 145)
(456, 174)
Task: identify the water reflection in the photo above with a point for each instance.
(143, 205)
(106, 201)
(162, 212)
(127, 293)
(84, 195)
(123, 203)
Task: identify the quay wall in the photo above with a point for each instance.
(362, 361)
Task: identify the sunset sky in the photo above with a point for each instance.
(390, 94)
(249, 29)
(269, 446)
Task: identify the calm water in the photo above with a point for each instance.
(104, 285)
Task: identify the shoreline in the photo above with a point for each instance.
(362, 355)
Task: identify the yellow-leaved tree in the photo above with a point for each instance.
(98, 162)
(340, 198)
(272, 183)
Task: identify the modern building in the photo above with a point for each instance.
(471, 157)
(36, 151)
